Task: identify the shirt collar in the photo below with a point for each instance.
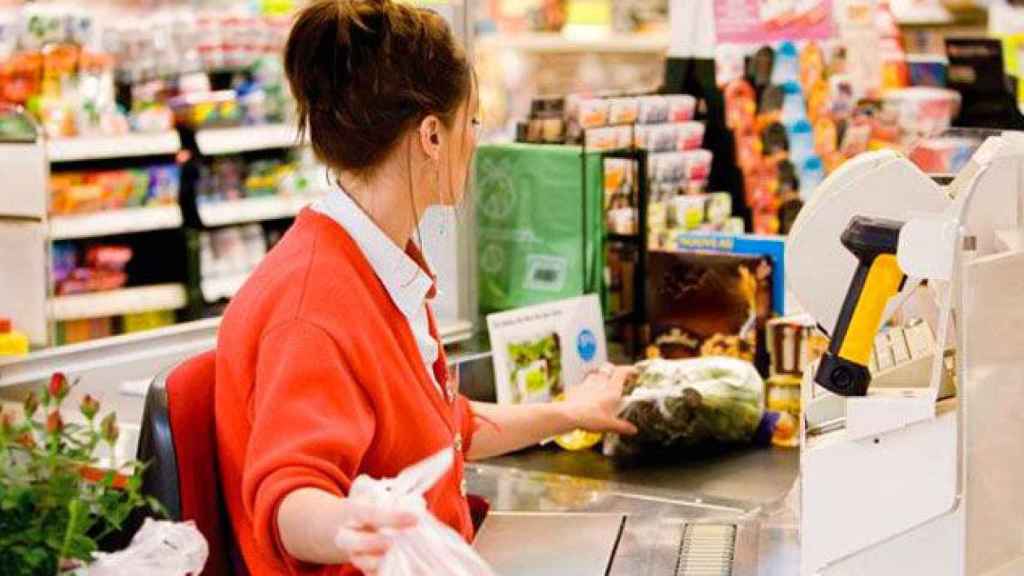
(405, 274)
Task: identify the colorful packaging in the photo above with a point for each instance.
(697, 164)
(653, 110)
(681, 107)
(691, 135)
(589, 112)
(623, 110)
(147, 321)
(707, 304)
(719, 207)
(609, 138)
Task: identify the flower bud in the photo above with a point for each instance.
(58, 385)
(27, 440)
(109, 429)
(54, 423)
(89, 407)
(6, 423)
(31, 404)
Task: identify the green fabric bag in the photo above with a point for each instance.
(539, 224)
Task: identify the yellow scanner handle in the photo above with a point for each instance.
(883, 281)
(844, 368)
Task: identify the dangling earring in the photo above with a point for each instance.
(442, 230)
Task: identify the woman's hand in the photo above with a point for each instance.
(593, 405)
(320, 528)
(360, 538)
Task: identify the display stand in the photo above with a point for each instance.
(635, 319)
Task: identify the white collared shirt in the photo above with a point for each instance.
(406, 283)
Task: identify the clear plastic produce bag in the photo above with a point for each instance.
(430, 547)
(159, 548)
(688, 404)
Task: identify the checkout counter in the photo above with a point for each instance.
(552, 512)
(563, 513)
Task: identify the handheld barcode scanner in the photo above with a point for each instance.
(844, 368)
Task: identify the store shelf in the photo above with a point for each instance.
(553, 42)
(215, 289)
(214, 141)
(118, 302)
(624, 238)
(251, 210)
(124, 221)
(82, 149)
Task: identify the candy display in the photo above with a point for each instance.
(101, 267)
(93, 191)
(688, 405)
(229, 178)
(69, 65)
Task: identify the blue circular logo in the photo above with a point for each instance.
(586, 345)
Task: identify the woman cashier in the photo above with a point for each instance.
(329, 363)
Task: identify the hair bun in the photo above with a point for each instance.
(362, 70)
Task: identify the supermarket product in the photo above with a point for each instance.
(793, 344)
(801, 141)
(811, 175)
(623, 110)
(719, 207)
(691, 135)
(653, 110)
(590, 112)
(707, 304)
(794, 109)
(686, 405)
(681, 107)
(146, 321)
(101, 269)
(609, 138)
(92, 191)
(12, 342)
(782, 395)
(688, 210)
(74, 331)
(923, 111)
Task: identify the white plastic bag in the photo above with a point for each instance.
(430, 547)
(159, 548)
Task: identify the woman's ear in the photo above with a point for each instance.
(430, 137)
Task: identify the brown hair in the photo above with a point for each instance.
(365, 71)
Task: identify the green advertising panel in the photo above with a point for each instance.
(539, 224)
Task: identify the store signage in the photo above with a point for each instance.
(540, 351)
(761, 21)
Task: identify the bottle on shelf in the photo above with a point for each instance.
(12, 342)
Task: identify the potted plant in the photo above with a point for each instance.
(57, 501)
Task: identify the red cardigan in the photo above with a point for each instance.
(319, 380)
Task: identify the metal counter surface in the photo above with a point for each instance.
(745, 487)
(756, 475)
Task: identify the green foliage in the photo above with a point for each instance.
(55, 504)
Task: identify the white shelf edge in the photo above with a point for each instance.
(554, 42)
(112, 222)
(118, 302)
(214, 141)
(251, 210)
(214, 289)
(129, 145)
(453, 331)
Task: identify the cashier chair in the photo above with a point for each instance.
(178, 441)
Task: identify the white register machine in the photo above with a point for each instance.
(900, 479)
